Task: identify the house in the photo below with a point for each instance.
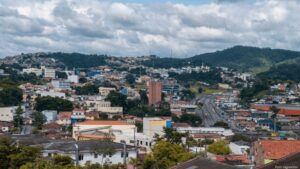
(105, 107)
(155, 125)
(100, 129)
(104, 91)
(91, 115)
(50, 115)
(239, 147)
(241, 160)
(202, 163)
(196, 130)
(7, 113)
(289, 161)
(6, 126)
(78, 115)
(64, 118)
(266, 151)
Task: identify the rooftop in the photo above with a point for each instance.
(276, 149)
(102, 122)
(202, 163)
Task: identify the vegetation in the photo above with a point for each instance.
(130, 79)
(18, 119)
(240, 137)
(219, 148)
(165, 155)
(221, 124)
(38, 119)
(77, 60)
(53, 103)
(191, 119)
(249, 93)
(10, 96)
(283, 72)
(211, 77)
(87, 90)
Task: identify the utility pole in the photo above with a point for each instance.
(124, 153)
(76, 154)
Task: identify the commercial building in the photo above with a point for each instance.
(49, 73)
(155, 89)
(155, 125)
(60, 84)
(36, 71)
(105, 107)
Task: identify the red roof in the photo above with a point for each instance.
(275, 149)
(289, 112)
(65, 115)
(102, 122)
(243, 158)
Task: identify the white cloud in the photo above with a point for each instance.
(95, 26)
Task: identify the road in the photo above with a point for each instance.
(210, 112)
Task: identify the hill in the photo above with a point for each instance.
(246, 58)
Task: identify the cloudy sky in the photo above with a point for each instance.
(143, 27)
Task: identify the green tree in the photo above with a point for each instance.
(130, 79)
(61, 75)
(219, 148)
(38, 119)
(240, 137)
(144, 97)
(62, 160)
(221, 124)
(87, 90)
(18, 119)
(53, 103)
(10, 96)
(117, 99)
(172, 136)
(165, 155)
(192, 119)
(187, 94)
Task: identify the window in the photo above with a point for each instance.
(49, 154)
(146, 143)
(104, 155)
(122, 154)
(80, 157)
(126, 154)
(141, 142)
(95, 155)
(110, 155)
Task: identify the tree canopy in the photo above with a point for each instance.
(53, 103)
(219, 148)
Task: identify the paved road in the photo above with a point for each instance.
(210, 112)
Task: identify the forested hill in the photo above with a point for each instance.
(248, 58)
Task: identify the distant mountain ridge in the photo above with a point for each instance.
(247, 58)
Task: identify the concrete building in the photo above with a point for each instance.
(36, 71)
(155, 125)
(60, 84)
(86, 151)
(7, 113)
(197, 130)
(50, 115)
(100, 129)
(49, 73)
(52, 94)
(105, 107)
(239, 147)
(104, 91)
(78, 115)
(154, 88)
(64, 118)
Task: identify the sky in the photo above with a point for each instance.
(174, 28)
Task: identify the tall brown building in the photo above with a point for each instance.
(154, 92)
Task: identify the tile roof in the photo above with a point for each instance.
(276, 149)
(289, 112)
(102, 122)
(289, 161)
(65, 115)
(202, 163)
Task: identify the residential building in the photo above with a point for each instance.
(51, 94)
(87, 151)
(154, 89)
(61, 84)
(239, 147)
(7, 113)
(36, 71)
(49, 73)
(289, 161)
(104, 91)
(266, 151)
(100, 129)
(155, 125)
(202, 163)
(197, 130)
(78, 115)
(105, 107)
(64, 118)
(50, 115)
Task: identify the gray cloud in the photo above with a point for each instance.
(127, 29)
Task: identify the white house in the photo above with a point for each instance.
(197, 130)
(90, 151)
(50, 115)
(238, 148)
(7, 113)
